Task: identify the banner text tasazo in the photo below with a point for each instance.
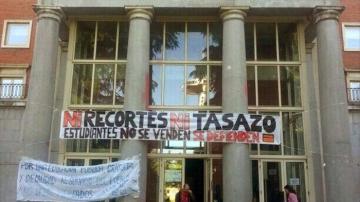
(187, 126)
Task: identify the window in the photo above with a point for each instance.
(93, 146)
(274, 85)
(11, 88)
(271, 41)
(99, 63)
(98, 80)
(274, 82)
(186, 64)
(351, 34)
(273, 67)
(16, 34)
(12, 82)
(354, 92)
(353, 87)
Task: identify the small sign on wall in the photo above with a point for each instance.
(294, 181)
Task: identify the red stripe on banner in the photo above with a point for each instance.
(268, 138)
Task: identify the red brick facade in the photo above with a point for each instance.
(350, 15)
(17, 10)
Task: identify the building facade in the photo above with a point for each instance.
(17, 34)
(350, 32)
(263, 57)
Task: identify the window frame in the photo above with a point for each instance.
(4, 33)
(280, 108)
(349, 24)
(301, 63)
(15, 71)
(353, 76)
(353, 93)
(185, 63)
(14, 94)
(256, 152)
(118, 63)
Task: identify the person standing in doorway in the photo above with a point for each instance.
(185, 194)
(290, 194)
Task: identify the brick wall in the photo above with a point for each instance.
(17, 10)
(351, 14)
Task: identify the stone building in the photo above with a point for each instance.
(350, 33)
(264, 57)
(16, 16)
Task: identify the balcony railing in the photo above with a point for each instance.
(354, 95)
(12, 91)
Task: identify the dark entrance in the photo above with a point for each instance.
(272, 182)
(194, 176)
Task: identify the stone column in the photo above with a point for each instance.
(312, 121)
(37, 117)
(136, 85)
(339, 181)
(237, 184)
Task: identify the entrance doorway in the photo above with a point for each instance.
(177, 172)
(271, 175)
(272, 182)
(194, 176)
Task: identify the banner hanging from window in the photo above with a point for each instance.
(40, 181)
(183, 126)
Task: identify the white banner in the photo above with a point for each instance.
(180, 126)
(40, 181)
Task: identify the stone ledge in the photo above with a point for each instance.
(12, 103)
(354, 107)
(191, 3)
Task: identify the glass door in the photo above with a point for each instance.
(272, 182)
(295, 177)
(273, 175)
(175, 172)
(216, 181)
(173, 178)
